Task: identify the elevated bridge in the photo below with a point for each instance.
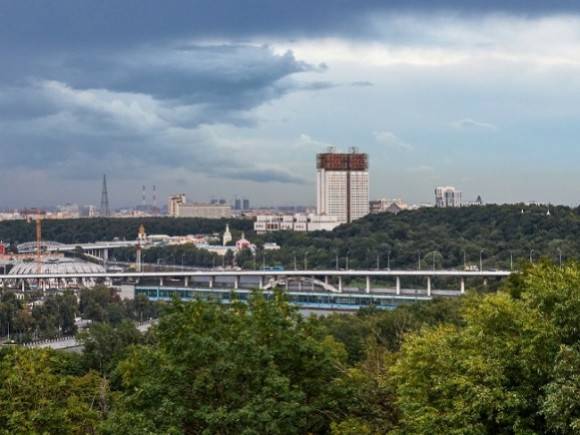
(325, 281)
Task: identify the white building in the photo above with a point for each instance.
(179, 207)
(174, 202)
(342, 184)
(447, 196)
(385, 205)
(296, 222)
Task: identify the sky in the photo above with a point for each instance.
(225, 98)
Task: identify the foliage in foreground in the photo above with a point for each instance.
(506, 363)
(249, 369)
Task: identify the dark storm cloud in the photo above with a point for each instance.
(260, 175)
(233, 74)
(78, 23)
(91, 85)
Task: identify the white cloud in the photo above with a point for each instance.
(391, 140)
(441, 40)
(468, 123)
(309, 143)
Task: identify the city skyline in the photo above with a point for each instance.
(219, 99)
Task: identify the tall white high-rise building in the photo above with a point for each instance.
(447, 196)
(342, 183)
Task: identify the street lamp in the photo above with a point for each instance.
(481, 260)
(418, 260)
(295, 264)
(511, 260)
(435, 252)
(531, 255)
(336, 252)
(378, 262)
(389, 259)
(464, 260)
(560, 256)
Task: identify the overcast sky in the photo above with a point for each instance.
(220, 98)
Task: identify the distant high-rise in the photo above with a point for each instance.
(105, 211)
(237, 204)
(342, 185)
(175, 201)
(246, 204)
(447, 196)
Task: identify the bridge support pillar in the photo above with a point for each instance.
(428, 286)
(368, 284)
(340, 284)
(236, 282)
(186, 281)
(462, 288)
(160, 282)
(211, 281)
(398, 285)
(299, 285)
(138, 266)
(261, 283)
(326, 279)
(105, 255)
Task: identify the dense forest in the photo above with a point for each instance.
(439, 237)
(97, 229)
(499, 236)
(505, 363)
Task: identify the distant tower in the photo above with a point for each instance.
(143, 197)
(105, 211)
(227, 238)
(154, 204)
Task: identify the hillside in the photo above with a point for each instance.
(443, 234)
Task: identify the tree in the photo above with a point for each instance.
(561, 406)
(233, 369)
(485, 377)
(105, 345)
(36, 398)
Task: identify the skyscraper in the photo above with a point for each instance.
(342, 185)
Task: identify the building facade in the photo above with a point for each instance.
(179, 207)
(387, 206)
(447, 196)
(296, 222)
(174, 202)
(342, 183)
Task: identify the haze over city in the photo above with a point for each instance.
(228, 98)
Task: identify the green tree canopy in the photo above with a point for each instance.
(241, 369)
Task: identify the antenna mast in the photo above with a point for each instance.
(105, 211)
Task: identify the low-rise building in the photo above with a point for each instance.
(387, 206)
(296, 222)
(179, 207)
